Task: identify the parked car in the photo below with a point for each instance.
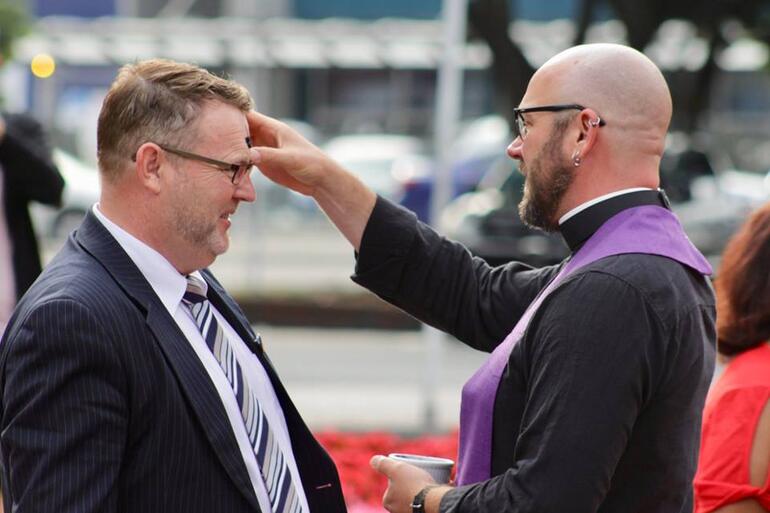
(480, 143)
(465, 172)
(399, 167)
(394, 166)
(81, 191)
(487, 221)
(709, 205)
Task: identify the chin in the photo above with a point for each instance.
(219, 246)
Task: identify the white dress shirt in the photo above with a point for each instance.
(169, 285)
(7, 279)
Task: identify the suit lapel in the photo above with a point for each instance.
(184, 363)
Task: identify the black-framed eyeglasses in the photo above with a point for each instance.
(235, 171)
(520, 125)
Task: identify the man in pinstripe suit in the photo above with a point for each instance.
(130, 380)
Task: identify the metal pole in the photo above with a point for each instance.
(448, 106)
(127, 8)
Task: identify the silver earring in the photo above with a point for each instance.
(595, 123)
(576, 159)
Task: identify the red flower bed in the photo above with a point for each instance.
(362, 486)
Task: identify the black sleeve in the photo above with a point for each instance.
(26, 159)
(64, 414)
(589, 373)
(437, 281)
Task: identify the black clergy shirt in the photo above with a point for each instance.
(600, 405)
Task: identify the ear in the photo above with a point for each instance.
(588, 133)
(149, 160)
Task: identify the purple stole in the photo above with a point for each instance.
(646, 229)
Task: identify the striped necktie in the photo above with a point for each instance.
(272, 464)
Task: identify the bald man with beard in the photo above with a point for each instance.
(591, 398)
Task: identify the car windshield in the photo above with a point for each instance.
(376, 173)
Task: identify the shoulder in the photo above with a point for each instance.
(650, 272)
(732, 412)
(639, 302)
(22, 125)
(741, 392)
(600, 290)
(73, 289)
(749, 368)
(669, 288)
(597, 316)
(73, 274)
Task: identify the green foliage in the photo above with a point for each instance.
(14, 23)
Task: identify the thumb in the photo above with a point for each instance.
(382, 464)
(265, 155)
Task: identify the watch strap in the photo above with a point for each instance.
(418, 503)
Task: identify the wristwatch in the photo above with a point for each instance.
(418, 503)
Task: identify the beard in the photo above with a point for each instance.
(196, 224)
(547, 179)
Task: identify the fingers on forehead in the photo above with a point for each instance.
(263, 129)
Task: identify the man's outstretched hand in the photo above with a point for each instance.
(285, 157)
(288, 159)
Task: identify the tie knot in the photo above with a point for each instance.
(196, 290)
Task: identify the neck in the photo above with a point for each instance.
(585, 221)
(149, 228)
(572, 212)
(593, 182)
(117, 211)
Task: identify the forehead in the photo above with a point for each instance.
(222, 124)
(543, 88)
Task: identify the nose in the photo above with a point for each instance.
(514, 149)
(245, 191)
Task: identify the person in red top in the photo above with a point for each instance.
(732, 475)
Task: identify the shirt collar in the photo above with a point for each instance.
(581, 222)
(596, 200)
(168, 283)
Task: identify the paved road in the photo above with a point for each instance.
(368, 380)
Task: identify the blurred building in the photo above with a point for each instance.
(342, 65)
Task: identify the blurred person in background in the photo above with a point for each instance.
(593, 395)
(27, 174)
(129, 379)
(734, 468)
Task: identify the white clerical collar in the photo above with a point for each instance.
(168, 283)
(594, 201)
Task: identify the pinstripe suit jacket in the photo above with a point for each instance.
(105, 406)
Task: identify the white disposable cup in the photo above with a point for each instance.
(440, 469)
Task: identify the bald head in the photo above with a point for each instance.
(627, 92)
(622, 85)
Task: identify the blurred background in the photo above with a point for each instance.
(359, 78)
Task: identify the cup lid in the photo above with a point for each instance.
(421, 459)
